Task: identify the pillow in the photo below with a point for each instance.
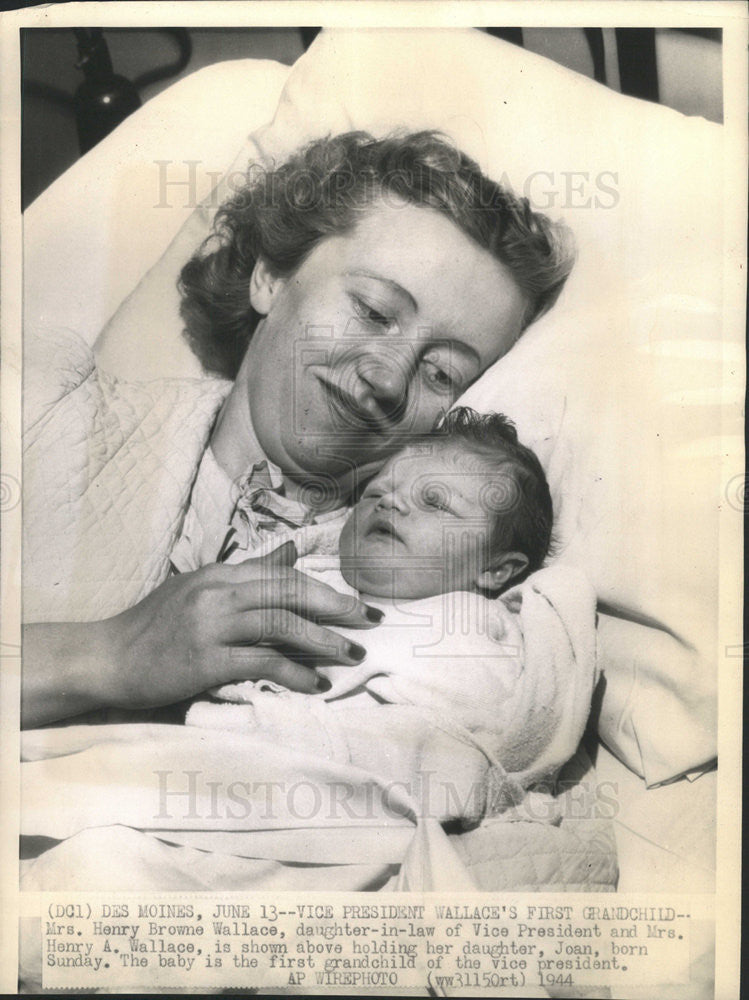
(619, 388)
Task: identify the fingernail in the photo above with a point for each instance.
(322, 683)
(356, 652)
(373, 614)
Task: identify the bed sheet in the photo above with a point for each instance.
(665, 837)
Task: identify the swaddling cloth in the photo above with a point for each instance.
(458, 654)
(514, 675)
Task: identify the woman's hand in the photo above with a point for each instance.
(221, 623)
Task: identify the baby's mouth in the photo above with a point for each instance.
(384, 529)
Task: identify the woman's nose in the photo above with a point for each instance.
(387, 380)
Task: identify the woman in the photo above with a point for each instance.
(352, 295)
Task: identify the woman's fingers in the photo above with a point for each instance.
(271, 582)
(284, 556)
(242, 663)
(302, 639)
(256, 587)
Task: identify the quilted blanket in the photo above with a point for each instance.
(170, 807)
(108, 469)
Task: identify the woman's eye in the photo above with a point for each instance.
(437, 377)
(369, 314)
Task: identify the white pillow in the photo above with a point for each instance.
(618, 388)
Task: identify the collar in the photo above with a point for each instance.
(232, 518)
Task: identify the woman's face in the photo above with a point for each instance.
(371, 339)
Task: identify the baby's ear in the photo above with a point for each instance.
(263, 287)
(505, 568)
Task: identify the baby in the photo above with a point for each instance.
(466, 508)
(457, 518)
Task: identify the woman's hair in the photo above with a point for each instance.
(521, 504)
(282, 214)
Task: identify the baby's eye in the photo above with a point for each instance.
(369, 314)
(435, 497)
(372, 493)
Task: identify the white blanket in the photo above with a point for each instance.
(513, 677)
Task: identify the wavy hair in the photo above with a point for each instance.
(281, 215)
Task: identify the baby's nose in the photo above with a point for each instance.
(393, 500)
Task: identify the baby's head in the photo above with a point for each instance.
(466, 507)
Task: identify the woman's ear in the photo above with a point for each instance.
(506, 568)
(263, 287)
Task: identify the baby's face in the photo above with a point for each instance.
(422, 526)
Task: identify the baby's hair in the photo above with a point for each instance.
(524, 514)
